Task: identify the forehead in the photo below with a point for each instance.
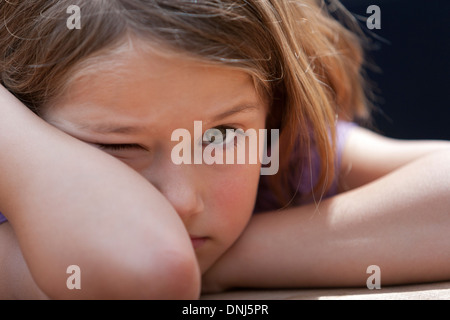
(139, 83)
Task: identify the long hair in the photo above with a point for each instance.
(305, 62)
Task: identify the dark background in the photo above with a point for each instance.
(414, 57)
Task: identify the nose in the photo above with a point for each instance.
(180, 185)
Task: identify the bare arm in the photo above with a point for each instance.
(368, 156)
(69, 203)
(16, 281)
(399, 221)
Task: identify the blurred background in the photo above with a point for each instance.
(412, 49)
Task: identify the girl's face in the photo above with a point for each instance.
(129, 108)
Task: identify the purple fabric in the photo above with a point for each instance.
(305, 173)
(2, 218)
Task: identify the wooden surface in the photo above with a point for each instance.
(429, 291)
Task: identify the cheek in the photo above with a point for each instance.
(234, 193)
(230, 198)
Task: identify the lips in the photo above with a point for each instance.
(197, 242)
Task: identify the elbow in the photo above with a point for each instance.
(181, 278)
(171, 274)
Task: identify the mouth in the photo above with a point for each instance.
(197, 242)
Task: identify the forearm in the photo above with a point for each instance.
(72, 204)
(400, 222)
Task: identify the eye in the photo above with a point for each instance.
(219, 135)
(119, 147)
(136, 156)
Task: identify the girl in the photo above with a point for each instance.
(88, 177)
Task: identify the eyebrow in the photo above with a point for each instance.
(235, 110)
(106, 128)
(112, 128)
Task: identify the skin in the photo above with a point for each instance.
(140, 107)
(392, 211)
(386, 187)
(74, 211)
(147, 93)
